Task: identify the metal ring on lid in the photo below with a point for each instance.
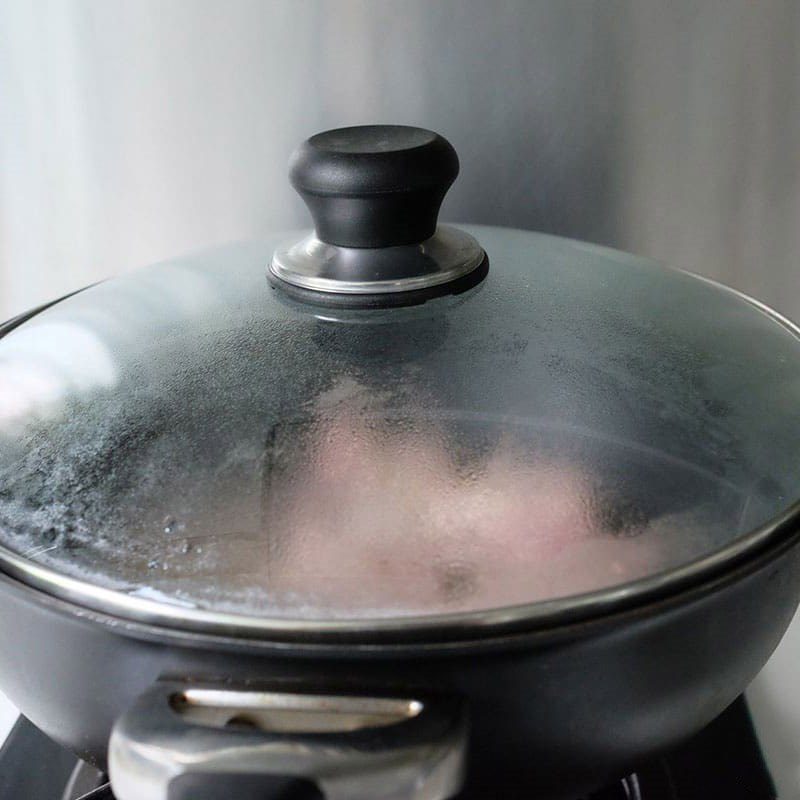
(374, 193)
(313, 264)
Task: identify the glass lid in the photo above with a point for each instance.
(198, 438)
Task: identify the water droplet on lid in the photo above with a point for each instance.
(152, 564)
(186, 547)
(169, 524)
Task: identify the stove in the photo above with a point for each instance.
(723, 762)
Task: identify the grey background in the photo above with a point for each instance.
(135, 131)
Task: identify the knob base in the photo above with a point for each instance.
(374, 277)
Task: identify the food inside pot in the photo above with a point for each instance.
(389, 516)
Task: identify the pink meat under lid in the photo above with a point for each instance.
(381, 522)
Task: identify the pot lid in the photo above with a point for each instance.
(570, 425)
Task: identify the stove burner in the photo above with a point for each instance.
(723, 761)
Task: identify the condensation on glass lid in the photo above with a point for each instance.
(580, 420)
(359, 515)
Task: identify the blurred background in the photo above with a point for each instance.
(135, 131)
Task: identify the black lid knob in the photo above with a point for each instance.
(374, 185)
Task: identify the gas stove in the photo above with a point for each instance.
(722, 762)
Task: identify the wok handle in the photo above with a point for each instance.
(207, 741)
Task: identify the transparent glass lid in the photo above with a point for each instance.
(579, 420)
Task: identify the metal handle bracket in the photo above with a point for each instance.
(348, 747)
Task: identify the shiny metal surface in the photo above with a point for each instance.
(329, 740)
(291, 713)
(448, 255)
